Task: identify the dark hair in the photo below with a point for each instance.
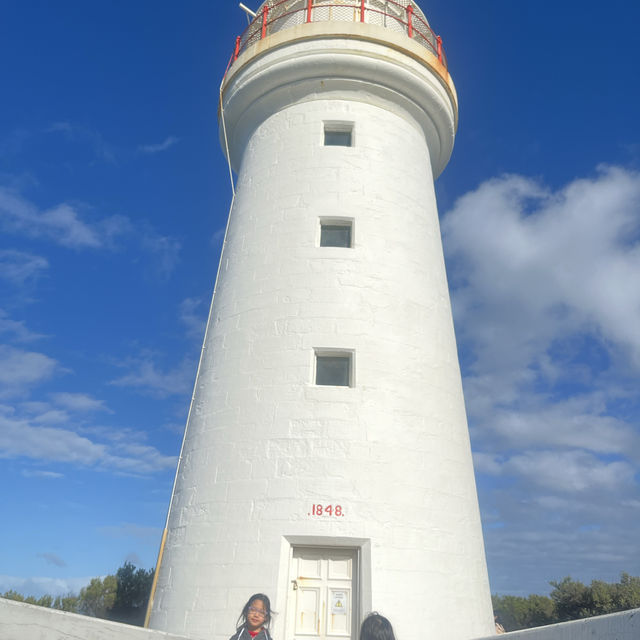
(376, 627)
(242, 620)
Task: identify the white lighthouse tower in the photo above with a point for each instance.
(326, 459)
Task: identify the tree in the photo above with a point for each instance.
(69, 603)
(44, 601)
(13, 595)
(516, 612)
(572, 599)
(541, 611)
(509, 611)
(627, 592)
(132, 596)
(98, 597)
(602, 598)
(122, 597)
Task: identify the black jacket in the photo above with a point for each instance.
(243, 634)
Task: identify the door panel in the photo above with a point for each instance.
(309, 567)
(308, 608)
(339, 612)
(339, 568)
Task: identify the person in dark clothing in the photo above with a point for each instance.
(253, 623)
(376, 627)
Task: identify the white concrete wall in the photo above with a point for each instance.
(616, 626)
(20, 621)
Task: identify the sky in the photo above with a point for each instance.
(113, 201)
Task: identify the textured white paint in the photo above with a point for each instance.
(263, 443)
(20, 621)
(615, 626)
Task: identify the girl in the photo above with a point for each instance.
(376, 627)
(253, 623)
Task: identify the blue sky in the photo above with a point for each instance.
(113, 200)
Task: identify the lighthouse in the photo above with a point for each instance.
(326, 459)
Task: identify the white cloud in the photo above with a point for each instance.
(70, 225)
(52, 416)
(542, 534)
(18, 267)
(218, 236)
(532, 266)
(40, 473)
(166, 250)
(547, 308)
(87, 136)
(175, 427)
(40, 586)
(571, 423)
(193, 314)
(78, 402)
(19, 438)
(25, 438)
(61, 223)
(560, 471)
(16, 328)
(20, 369)
(139, 459)
(168, 142)
(486, 463)
(569, 471)
(145, 375)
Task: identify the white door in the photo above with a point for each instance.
(322, 594)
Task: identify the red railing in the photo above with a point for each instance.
(397, 15)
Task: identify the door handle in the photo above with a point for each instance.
(294, 584)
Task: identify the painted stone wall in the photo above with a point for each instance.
(20, 621)
(265, 443)
(616, 626)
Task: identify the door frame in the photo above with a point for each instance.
(361, 589)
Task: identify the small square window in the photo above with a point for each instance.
(338, 134)
(335, 233)
(334, 368)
